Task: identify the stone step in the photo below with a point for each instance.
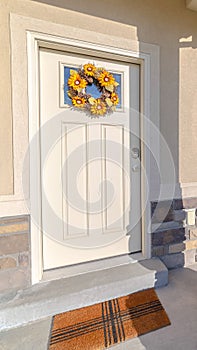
(52, 297)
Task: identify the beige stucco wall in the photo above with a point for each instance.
(163, 22)
(188, 111)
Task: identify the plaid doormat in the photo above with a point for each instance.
(102, 325)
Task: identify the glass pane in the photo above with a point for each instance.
(90, 89)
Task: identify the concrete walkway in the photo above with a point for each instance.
(179, 299)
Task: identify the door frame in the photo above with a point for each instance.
(149, 103)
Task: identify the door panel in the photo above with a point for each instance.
(90, 196)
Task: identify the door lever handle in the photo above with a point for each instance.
(135, 168)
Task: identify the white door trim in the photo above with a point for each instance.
(150, 106)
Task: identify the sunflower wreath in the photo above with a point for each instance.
(89, 74)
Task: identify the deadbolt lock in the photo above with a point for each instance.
(135, 152)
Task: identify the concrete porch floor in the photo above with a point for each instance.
(179, 299)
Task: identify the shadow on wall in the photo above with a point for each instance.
(171, 26)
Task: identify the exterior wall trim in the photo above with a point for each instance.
(188, 189)
(34, 42)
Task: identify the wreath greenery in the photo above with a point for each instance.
(89, 74)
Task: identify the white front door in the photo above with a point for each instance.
(90, 168)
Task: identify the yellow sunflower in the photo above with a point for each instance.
(114, 98)
(106, 79)
(76, 82)
(78, 101)
(98, 108)
(89, 69)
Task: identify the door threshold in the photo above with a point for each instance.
(91, 266)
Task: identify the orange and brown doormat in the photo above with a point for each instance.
(102, 325)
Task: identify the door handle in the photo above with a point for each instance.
(135, 168)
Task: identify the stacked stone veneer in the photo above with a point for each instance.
(174, 231)
(14, 253)
(174, 241)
